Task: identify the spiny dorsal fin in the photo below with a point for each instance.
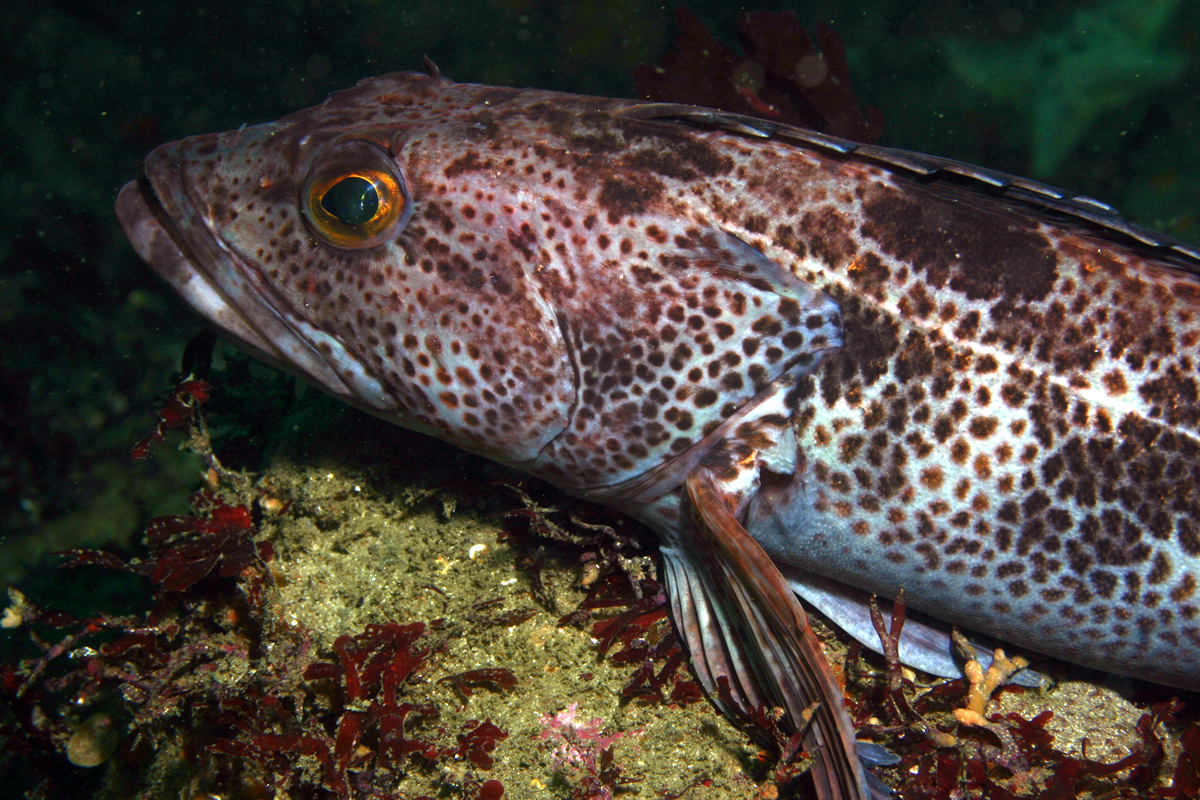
(999, 185)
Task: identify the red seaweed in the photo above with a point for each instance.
(477, 741)
(648, 639)
(781, 77)
(465, 683)
(211, 669)
(1014, 757)
(176, 413)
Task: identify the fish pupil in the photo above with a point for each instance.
(353, 200)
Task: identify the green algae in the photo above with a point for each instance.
(1101, 59)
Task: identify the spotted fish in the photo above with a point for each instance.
(812, 367)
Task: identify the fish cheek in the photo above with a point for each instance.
(473, 349)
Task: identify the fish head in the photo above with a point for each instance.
(297, 239)
(527, 275)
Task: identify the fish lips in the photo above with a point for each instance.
(169, 232)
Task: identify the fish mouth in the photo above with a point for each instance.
(161, 245)
(168, 230)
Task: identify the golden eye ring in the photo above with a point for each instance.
(356, 198)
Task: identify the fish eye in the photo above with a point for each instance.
(355, 198)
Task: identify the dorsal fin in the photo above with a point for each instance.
(998, 185)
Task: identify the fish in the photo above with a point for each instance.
(816, 369)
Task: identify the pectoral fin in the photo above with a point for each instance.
(742, 621)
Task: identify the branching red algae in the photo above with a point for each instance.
(212, 671)
(950, 747)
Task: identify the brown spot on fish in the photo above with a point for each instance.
(984, 254)
(827, 232)
(622, 197)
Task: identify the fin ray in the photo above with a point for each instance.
(778, 658)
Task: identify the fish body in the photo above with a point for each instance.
(890, 371)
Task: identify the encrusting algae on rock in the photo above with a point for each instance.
(365, 542)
